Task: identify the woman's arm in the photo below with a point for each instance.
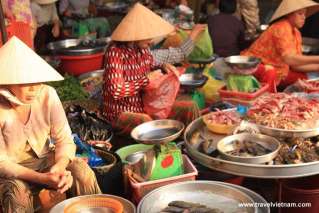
(306, 68)
(294, 60)
(177, 55)
(115, 82)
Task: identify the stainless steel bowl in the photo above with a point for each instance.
(227, 144)
(157, 131)
(192, 80)
(75, 47)
(242, 62)
(310, 46)
(54, 46)
(209, 193)
(134, 157)
(93, 74)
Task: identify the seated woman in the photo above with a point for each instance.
(226, 30)
(128, 62)
(75, 10)
(48, 22)
(281, 45)
(30, 115)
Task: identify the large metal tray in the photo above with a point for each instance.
(284, 133)
(209, 193)
(128, 206)
(244, 169)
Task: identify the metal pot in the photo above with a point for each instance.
(76, 47)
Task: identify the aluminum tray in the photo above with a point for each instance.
(284, 133)
(209, 193)
(244, 169)
(128, 206)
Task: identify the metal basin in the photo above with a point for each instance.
(242, 62)
(192, 80)
(127, 205)
(209, 193)
(227, 144)
(74, 47)
(157, 131)
(244, 169)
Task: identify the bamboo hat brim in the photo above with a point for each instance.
(288, 6)
(21, 65)
(140, 24)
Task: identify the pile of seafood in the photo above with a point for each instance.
(188, 207)
(223, 117)
(308, 86)
(298, 151)
(285, 111)
(248, 149)
(87, 124)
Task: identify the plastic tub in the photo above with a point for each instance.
(302, 191)
(139, 190)
(77, 65)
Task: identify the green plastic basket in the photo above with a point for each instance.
(127, 150)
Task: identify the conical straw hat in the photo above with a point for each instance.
(44, 1)
(141, 23)
(21, 65)
(289, 6)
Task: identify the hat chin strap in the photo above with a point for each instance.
(10, 97)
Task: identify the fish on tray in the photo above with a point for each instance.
(188, 207)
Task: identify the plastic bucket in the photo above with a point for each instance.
(77, 65)
(301, 191)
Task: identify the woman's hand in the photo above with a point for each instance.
(197, 30)
(170, 68)
(154, 75)
(60, 182)
(56, 30)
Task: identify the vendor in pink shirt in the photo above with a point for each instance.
(31, 114)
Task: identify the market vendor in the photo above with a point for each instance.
(128, 63)
(83, 12)
(281, 45)
(48, 22)
(36, 147)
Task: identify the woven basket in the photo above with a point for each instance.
(109, 158)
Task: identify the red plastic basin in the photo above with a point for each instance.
(301, 190)
(77, 65)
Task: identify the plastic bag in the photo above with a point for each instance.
(210, 89)
(160, 94)
(203, 46)
(242, 83)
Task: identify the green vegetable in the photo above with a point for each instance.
(69, 89)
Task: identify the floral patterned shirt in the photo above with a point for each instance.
(21, 10)
(279, 40)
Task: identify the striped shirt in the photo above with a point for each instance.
(125, 75)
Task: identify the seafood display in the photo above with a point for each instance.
(248, 148)
(188, 207)
(308, 86)
(223, 117)
(87, 124)
(284, 111)
(298, 151)
(222, 122)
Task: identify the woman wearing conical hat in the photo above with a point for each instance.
(128, 63)
(281, 45)
(31, 114)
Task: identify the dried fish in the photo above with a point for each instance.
(183, 204)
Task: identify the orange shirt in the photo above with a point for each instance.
(277, 41)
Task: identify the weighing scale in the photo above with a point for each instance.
(166, 160)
